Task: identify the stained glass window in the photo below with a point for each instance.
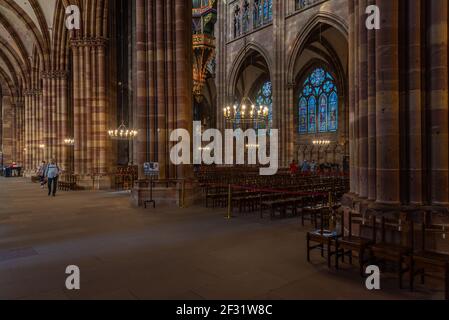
(322, 114)
(312, 114)
(267, 10)
(318, 103)
(333, 112)
(303, 115)
(264, 98)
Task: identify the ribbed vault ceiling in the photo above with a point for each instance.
(25, 31)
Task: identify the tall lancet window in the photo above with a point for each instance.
(318, 103)
(264, 97)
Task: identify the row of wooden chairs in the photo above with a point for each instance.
(397, 245)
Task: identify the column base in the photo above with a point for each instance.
(171, 195)
(97, 183)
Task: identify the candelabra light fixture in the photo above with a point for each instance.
(321, 142)
(252, 146)
(42, 146)
(122, 133)
(246, 112)
(69, 142)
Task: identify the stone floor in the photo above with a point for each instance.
(129, 253)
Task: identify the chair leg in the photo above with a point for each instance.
(412, 276)
(400, 273)
(337, 254)
(361, 262)
(446, 289)
(308, 248)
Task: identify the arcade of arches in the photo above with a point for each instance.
(378, 99)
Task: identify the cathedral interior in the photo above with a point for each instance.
(356, 116)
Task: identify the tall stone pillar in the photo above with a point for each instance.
(283, 113)
(387, 110)
(7, 130)
(438, 101)
(352, 100)
(163, 81)
(363, 100)
(91, 111)
(372, 130)
(415, 102)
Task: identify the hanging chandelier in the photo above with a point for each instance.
(122, 133)
(246, 112)
(321, 142)
(69, 142)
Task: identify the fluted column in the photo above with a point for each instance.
(141, 143)
(76, 111)
(352, 99)
(438, 56)
(387, 109)
(362, 101)
(372, 132)
(102, 143)
(163, 80)
(414, 100)
(27, 141)
(7, 130)
(161, 22)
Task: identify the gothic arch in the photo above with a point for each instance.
(325, 18)
(244, 53)
(6, 85)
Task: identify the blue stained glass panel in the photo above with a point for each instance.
(303, 115)
(312, 115)
(320, 94)
(264, 98)
(333, 112)
(322, 114)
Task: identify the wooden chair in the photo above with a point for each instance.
(386, 250)
(324, 240)
(350, 243)
(425, 262)
(312, 209)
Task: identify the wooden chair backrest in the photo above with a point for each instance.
(432, 229)
(363, 220)
(396, 225)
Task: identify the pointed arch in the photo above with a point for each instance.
(243, 54)
(299, 44)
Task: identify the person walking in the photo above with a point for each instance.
(41, 173)
(52, 175)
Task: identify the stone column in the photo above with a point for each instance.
(76, 110)
(164, 76)
(7, 130)
(140, 145)
(161, 107)
(387, 105)
(438, 101)
(414, 101)
(372, 132)
(362, 100)
(282, 111)
(352, 99)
